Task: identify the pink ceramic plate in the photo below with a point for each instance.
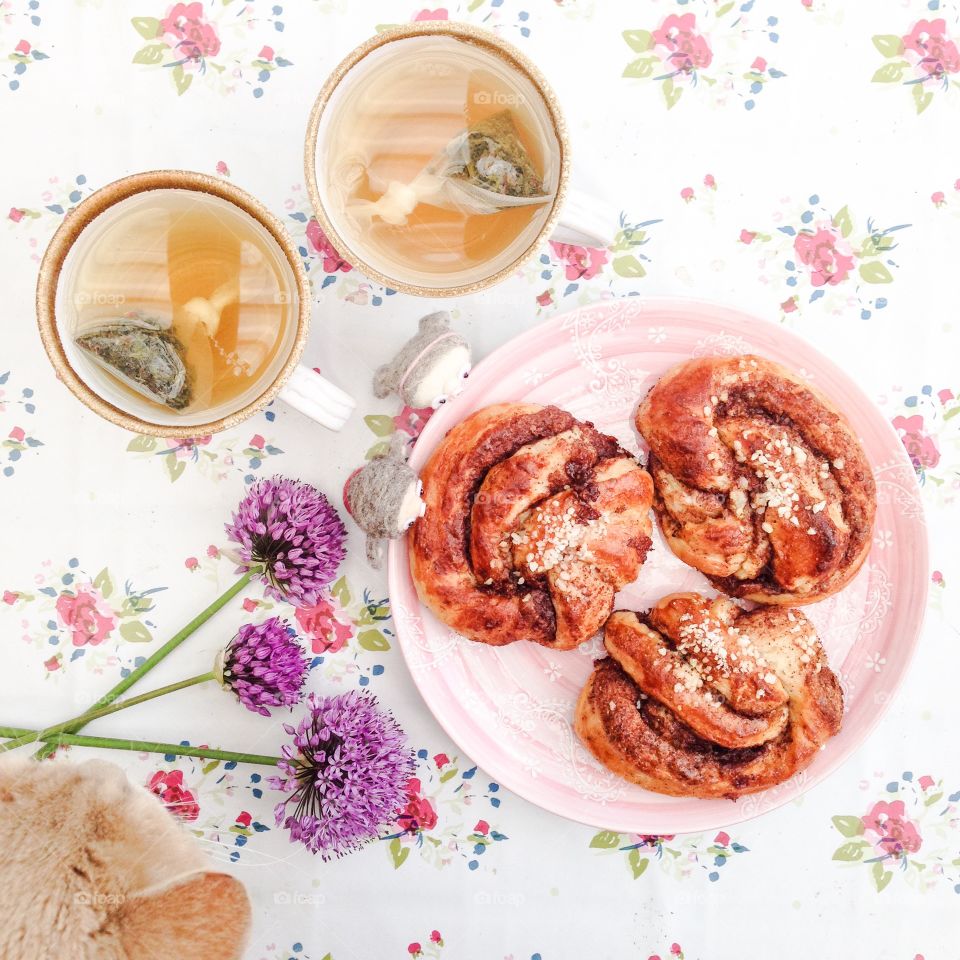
(510, 708)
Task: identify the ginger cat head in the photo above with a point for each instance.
(92, 867)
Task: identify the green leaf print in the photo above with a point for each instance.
(135, 632)
(849, 826)
(151, 54)
(891, 72)
(605, 840)
(380, 424)
(640, 68)
(875, 272)
(671, 93)
(843, 222)
(888, 44)
(147, 27)
(174, 466)
(881, 877)
(341, 591)
(398, 853)
(373, 640)
(103, 583)
(181, 79)
(637, 863)
(639, 40)
(851, 851)
(628, 266)
(142, 444)
(380, 449)
(921, 97)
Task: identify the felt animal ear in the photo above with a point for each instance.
(384, 381)
(374, 551)
(397, 449)
(435, 323)
(205, 915)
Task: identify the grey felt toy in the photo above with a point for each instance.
(383, 498)
(430, 367)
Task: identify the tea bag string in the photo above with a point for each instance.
(410, 367)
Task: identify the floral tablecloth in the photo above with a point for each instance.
(798, 159)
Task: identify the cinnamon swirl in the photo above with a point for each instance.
(533, 521)
(701, 699)
(760, 481)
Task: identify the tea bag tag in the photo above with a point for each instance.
(397, 202)
(207, 310)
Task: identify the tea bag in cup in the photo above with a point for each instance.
(140, 352)
(169, 363)
(482, 170)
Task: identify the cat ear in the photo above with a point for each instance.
(206, 915)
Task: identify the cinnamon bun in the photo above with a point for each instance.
(533, 521)
(701, 699)
(760, 481)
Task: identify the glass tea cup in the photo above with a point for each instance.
(378, 162)
(109, 334)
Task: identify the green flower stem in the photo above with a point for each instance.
(105, 711)
(78, 723)
(143, 746)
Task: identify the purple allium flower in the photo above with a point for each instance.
(346, 771)
(265, 666)
(292, 529)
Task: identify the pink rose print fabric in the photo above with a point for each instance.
(930, 433)
(580, 263)
(904, 838)
(931, 50)
(924, 59)
(717, 52)
(221, 46)
(893, 832)
(921, 447)
(795, 159)
(681, 45)
(326, 624)
(826, 253)
(332, 261)
(87, 615)
(168, 786)
(810, 253)
(418, 814)
(186, 30)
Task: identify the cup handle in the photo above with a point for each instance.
(585, 220)
(317, 398)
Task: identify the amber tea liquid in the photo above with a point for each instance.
(205, 273)
(391, 115)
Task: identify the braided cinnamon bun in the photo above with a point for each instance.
(533, 521)
(760, 481)
(701, 699)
